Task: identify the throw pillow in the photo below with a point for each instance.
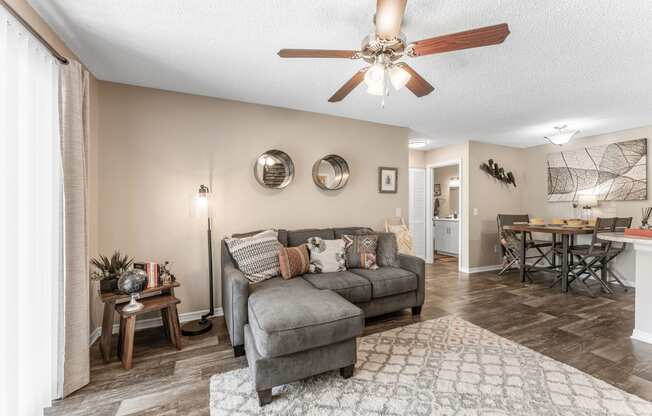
(387, 251)
(361, 251)
(326, 256)
(294, 261)
(257, 258)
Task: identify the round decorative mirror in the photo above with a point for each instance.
(330, 172)
(274, 169)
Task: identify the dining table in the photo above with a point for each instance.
(567, 236)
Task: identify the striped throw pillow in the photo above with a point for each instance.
(294, 261)
(257, 258)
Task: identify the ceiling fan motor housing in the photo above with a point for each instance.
(373, 46)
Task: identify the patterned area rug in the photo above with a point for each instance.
(445, 366)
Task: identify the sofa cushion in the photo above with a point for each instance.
(350, 286)
(339, 232)
(297, 237)
(287, 316)
(387, 250)
(387, 281)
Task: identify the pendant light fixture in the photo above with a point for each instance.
(562, 136)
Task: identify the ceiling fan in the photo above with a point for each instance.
(384, 49)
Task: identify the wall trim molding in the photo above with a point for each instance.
(642, 336)
(628, 283)
(480, 269)
(154, 322)
(95, 335)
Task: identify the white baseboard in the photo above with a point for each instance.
(95, 335)
(628, 283)
(480, 269)
(639, 335)
(155, 322)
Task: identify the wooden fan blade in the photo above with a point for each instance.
(317, 53)
(389, 16)
(348, 86)
(485, 36)
(416, 84)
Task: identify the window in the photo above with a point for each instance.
(30, 222)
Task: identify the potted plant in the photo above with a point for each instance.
(108, 270)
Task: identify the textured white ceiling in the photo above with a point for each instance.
(585, 63)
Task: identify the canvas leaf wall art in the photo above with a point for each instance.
(612, 172)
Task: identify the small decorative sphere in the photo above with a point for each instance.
(132, 281)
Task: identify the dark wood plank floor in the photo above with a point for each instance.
(591, 334)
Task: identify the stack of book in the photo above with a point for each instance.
(152, 270)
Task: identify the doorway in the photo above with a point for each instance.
(444, 214)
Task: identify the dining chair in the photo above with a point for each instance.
(510, 243)
(589, 258)
(615, 250)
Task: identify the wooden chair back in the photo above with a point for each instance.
(602, 225)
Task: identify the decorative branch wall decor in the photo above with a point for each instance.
(492, 169)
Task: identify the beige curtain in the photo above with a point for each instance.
(74, 124)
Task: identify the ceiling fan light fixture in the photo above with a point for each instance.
(375, 76)
(562, 136)
(398, 77)
(376, 89)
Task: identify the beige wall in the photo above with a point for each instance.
(157, 147)
(534, 195)
(489, 197)
(417, 159)
(442, 176)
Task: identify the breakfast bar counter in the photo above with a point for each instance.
(643, 310)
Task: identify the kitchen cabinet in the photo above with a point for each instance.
(446, 233)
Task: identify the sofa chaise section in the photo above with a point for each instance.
(288, 338)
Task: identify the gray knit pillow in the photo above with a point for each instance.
(257, 258)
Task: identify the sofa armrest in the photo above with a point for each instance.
(235, 294)
(417, 266)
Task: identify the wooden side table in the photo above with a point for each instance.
(167, 304)
(110, 300)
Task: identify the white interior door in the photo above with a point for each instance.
(418, 211)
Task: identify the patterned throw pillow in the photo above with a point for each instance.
(294, 261)
(326, 256)
(361, 251)
(257, 258)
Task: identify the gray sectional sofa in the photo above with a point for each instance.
(292, 329)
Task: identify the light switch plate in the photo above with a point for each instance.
(399, 212)
(475, 212)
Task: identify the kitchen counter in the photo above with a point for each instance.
(643, 295)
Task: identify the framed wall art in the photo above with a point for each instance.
(387, 180)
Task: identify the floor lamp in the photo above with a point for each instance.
(204, 324)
